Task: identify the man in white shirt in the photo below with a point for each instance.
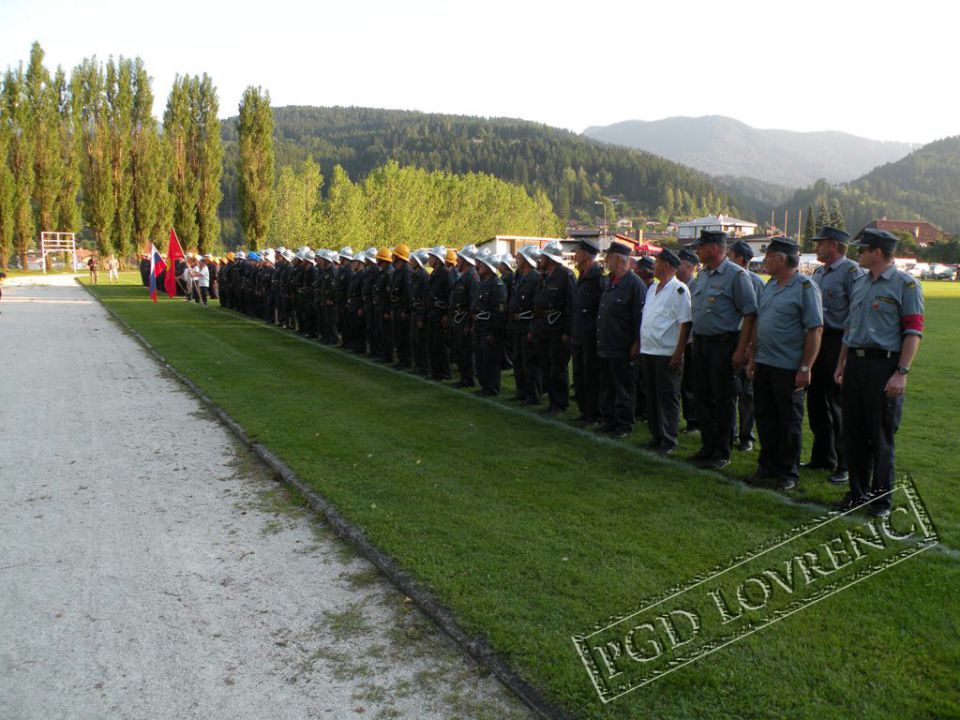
(664, 329)
(200, 276)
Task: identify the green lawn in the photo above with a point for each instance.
(533, 530)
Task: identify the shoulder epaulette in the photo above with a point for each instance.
(680, 290)
(852, 268)
(912, 283)
(807, 283)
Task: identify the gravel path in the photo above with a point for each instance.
(149, 568)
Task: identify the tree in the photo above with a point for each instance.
(6, 194)
(836, 214)
(297, 201)
(68, 204)
(43, 124)
(149, 166)
(344, 212)
(809, 229)
(88, 87)
(119, 110)
(183, 185)
(207, 161)
(20, 158)
(823, 215)
(256, 165)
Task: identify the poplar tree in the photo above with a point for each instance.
(183, 185)
(207, 161)
(149, 191)
(255, 165)
(44, 131)
(88, 86)
(68, 204)
(6, 194)
(119, 97)
(297, 199)
(344, 212)
(20, 159)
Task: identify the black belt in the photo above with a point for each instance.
(874, 353)
(716, 338)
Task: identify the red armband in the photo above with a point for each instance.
(912, 322)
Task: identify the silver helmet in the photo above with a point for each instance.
(530, 253)
(420, 257)
(439, 252)
(310, 256)
(507, 259)
(554, 251)
(469, 253)
(489, 259)
(346, 252)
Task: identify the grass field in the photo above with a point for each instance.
(533, 530)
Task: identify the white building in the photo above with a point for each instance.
(689, 231)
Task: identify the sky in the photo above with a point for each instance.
(877, 69)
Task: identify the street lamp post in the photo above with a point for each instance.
(598, 202)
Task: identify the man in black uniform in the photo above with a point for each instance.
(311, 273)
(507, 267)
(436, 306)
(489, 323)
(401, 301)
(371, 275)
(526, 368)
(618, 341)
(357, 321)
(381, 305)
(461, 301)
(419, 280)
(145, 269)
(327, 298)
(550, 329)
(344, 276)
(644, 269)
(583, 330)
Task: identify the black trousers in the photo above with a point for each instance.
(779, 407)
(825, 405)
(488, 352)
(401, 325)
(618, 395)
(743, 406)
(419, 343)
(662, 394)
(526, 367)
(586, 379)
(373, 328)
(714, 386)
(554, 357)
(870, 422)
(688, 398)
(439, 352)
(461, 348)
(384, 315)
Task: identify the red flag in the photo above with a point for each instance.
(174, 253)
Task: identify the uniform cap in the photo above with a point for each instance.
(709, 236)
(783, 245)
(588, 245)
(669, 257)
(743, 249)
(873, 238)
(619, 248)
(828, 232)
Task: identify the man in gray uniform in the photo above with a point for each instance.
(880, 341)
(724, 306)
(835, 278)
(785, 344)
(741, 253)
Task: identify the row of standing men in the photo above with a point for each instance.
(649, 337)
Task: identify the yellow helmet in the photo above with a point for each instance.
(451, 256)
(230, 256)
(384, 254)
(402, 252)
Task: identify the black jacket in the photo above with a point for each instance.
(553, 302)
(586, 304)
(618, 320)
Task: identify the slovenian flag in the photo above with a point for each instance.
(157, 266)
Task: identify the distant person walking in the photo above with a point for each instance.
(93, 266)
(113, 269)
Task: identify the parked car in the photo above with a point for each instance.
(939, 272)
